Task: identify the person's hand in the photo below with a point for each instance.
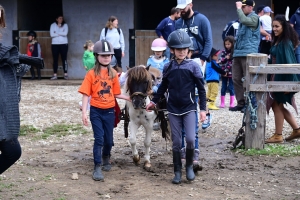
(202, 116)
(228, 56)
(123, 54)
(84, 119)
(85, 67)
(150, 106)
(238, 4)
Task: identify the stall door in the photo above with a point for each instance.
(44, 39)
(143, 41)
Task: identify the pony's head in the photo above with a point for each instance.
(156, 75)
(138, 84)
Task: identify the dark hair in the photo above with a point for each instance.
(288, 32)
(174, 10)
(2, 17)
(63, 21)
(231, 40)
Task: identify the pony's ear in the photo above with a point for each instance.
(127, 67)
(148, 67)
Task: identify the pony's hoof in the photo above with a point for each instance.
(147, 166)
(136, 159)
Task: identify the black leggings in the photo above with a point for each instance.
(10, 153)
(118, 55)
(61, 49)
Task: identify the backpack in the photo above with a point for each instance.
(119, 31)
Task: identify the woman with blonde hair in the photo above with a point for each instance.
(114, 36)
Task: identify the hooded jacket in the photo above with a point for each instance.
(10, 86)
(199, 25)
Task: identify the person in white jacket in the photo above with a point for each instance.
(59, 32)
(114, 35)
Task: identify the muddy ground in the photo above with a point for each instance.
(45, 168)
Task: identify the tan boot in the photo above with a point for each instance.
(295, 134)
(276, 138)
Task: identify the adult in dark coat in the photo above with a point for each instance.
(11, 71)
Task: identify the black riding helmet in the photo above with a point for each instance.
(31, 33)
(179, 39)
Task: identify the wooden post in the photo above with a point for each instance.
(254, 138)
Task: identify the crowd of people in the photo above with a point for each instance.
(184, 54)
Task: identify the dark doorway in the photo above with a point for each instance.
(37, 14)
(280, 6)
(148, 14)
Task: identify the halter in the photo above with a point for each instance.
(145, 95)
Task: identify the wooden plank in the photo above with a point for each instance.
(143, 41)
(276, 87)
(254, 138)
(276, 69)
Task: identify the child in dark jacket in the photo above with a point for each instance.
(34, 50)
(212, 79)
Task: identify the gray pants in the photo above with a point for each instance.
(238, 72)
(188, 121)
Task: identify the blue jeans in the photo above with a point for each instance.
(196, 129)
(168, 53)
(10, 153)
(297, 54)
(227, 82)
(102, 121)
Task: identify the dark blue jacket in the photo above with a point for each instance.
(180, 80)
(165, 27)
(295, 20)
(199, 25)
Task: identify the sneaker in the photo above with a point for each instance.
(53, 78)
(236, 108)
(294, 135)
(66, 77)
(207, 121)
(276, 138)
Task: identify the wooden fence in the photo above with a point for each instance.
(256, 81)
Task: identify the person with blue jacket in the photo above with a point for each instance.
(212, 79)
(197, 26)
(179, 78)
(167, 26)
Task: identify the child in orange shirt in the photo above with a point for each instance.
(102, 84)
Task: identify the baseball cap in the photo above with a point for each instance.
(248, 3)
(214, 52)
(260, 8)
(267, 9)
(181, 4)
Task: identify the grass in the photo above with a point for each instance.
(5, 186)
(273, 149)
(58, 130)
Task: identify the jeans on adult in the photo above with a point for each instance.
(227, 83)
(61, 49)
(297, 53)
(102, 121)
(238, 72)
(10, 153)
(196, 129)
(168, 53)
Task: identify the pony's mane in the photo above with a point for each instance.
(138, 74)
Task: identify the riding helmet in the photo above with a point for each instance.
(159, 44)
(103, 47)
(179, 39)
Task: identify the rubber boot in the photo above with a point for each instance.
(232, 98)
(106, 166)
(32, 73)
(177, 167)
(212, 106)
(97, 174)
(222, 105)
(190, 175)
(39, 73)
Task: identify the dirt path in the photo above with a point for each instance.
(46, 166)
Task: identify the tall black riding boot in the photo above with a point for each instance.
(39, 73)
(177, 167)
(32, 73)
(190, 175)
